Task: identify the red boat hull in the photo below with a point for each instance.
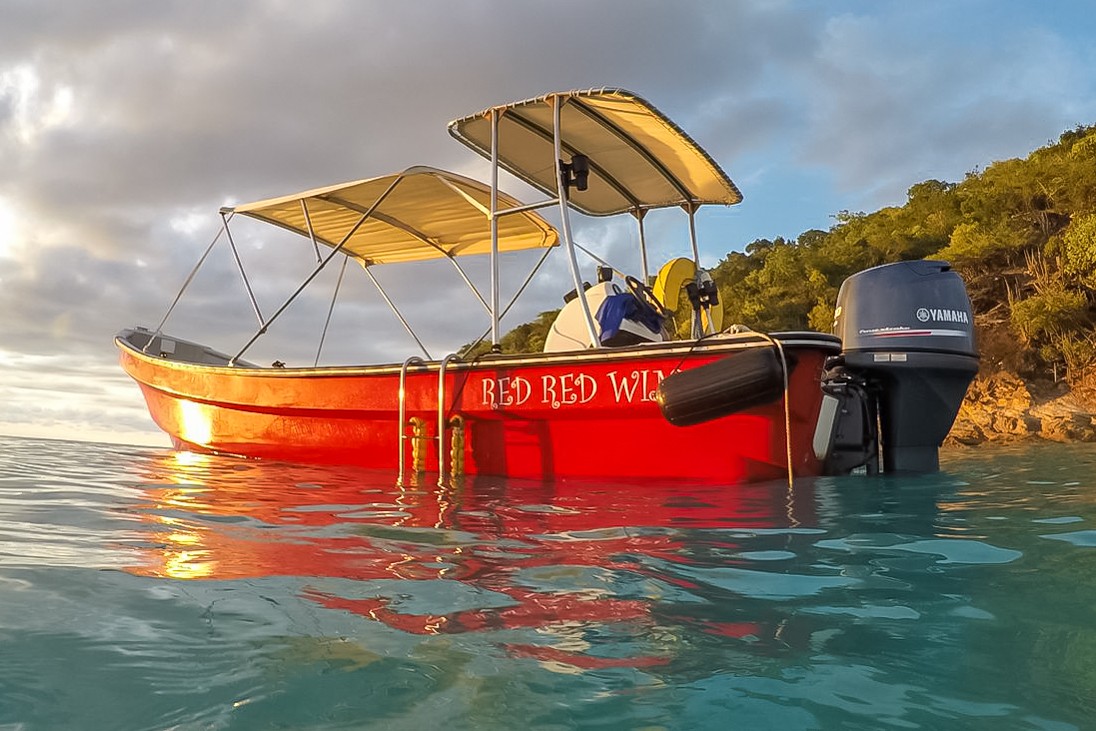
(588, 414)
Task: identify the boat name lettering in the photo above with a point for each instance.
(506, 391)
(645, 382)
(567, 389)
(570, 389)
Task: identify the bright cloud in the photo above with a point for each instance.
(32, 110)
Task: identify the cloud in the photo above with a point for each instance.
(125, 125)
(889, 108)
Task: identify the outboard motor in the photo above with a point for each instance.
(908, 356)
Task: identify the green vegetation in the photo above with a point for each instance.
(1022, 233)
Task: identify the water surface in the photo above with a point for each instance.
(146, 589)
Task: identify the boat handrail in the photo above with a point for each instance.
(413, 360)
(441, 415)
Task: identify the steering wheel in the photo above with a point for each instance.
(645, 296)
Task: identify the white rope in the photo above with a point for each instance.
(787, 408)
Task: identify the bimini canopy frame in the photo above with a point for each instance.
(419, 214)
(602, 152)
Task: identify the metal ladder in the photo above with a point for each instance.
(415, 360)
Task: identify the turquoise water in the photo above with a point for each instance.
(143, 589)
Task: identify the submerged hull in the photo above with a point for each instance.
(589, 414)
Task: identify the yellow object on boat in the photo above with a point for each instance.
(671, 280)
(670, 284)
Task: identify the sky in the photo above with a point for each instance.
(125, 125)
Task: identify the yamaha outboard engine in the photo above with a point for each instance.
(908, 356)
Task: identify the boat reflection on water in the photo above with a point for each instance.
(512, 554)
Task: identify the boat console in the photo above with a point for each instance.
(621, 318)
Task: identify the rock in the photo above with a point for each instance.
(1001, 407)
(1069, 428)
(967, 433)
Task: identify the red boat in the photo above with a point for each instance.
(612, 396)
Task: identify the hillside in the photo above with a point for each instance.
(1021, 232)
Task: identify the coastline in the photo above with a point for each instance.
(1002, 407)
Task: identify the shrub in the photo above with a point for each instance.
(1079, 250)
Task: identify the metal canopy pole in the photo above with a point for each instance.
(311, 233)
(494, 308)
(240, 265)
(392, 306)
(529, 207)
(189, 279)
(319, 267)
(598, 259)
(471, 286)
(330, 310)
(639, 213)
(698, 321)
(514, 299)
(561, 190)
(691, 208)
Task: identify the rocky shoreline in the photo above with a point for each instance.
(1002, 407)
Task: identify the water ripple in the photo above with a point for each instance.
(144, 589)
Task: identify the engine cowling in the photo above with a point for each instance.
(907, 330)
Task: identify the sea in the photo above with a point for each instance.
(143, 588)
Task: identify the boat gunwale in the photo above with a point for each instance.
(714, 345)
